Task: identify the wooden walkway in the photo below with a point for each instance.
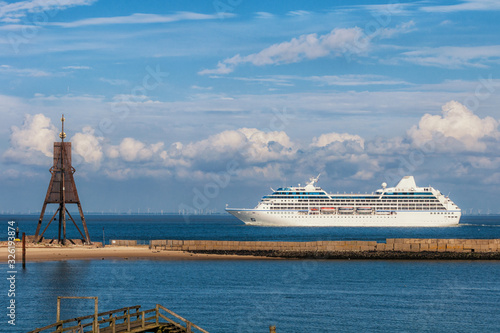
(130, 319)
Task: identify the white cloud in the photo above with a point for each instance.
(274, 155)
(131, 150)
(267, 146)
(493, 179)
(68, 100)
(278, 80)
(17, 10)
(387, 146)
(119, 174)
(271, 171)
(87, 145)
(404, 27)
(298, 13)
(457, 123)
(77, 67)
(485, 162)
(355, 80)
(466, 5)
(329, 80)
(326, 139)
(201, 88)
(220, 70)
(211, 148)
(14, 27)
(23, 71)
(140, 18)
(16, 174)
(114, 82)
(454, 56)
(32, 142)
(263, 15)
(252, 149)
(364, 174)
(336, 43)
(390, 8)
(11, 104)
(248, 144)
(304, 47)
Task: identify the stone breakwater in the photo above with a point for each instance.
(391, 244)
(393, 248)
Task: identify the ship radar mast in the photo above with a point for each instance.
(313, 180)
(310, 184)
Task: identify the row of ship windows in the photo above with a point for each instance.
(346, 197)
(295, 197)
(337, 216)
(378, 207)
(382, 207)
(299, 193)
(287, 192)
(376, 204)
(442, 213)
(356, 200)
(382, 200)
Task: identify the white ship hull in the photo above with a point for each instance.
(405, 205)
(396, 219)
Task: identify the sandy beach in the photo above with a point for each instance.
(53, 253)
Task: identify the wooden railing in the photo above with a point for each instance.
(123, 320)
(189, 326)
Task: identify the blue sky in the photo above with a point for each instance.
(194, 104)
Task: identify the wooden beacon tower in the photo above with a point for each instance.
(62, 191)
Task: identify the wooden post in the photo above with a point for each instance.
(128, 319)
(272, 329)
(24, 250)
(113, 322)
(95, 323)
(96, 319)
(157, 316)
(188, 327)
(58, 314)
(142, 319)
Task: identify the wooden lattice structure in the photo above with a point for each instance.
(62, 191)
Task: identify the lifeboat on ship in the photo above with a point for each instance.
(313, 211)
(346, 210)
(328, 210)
(364, 210)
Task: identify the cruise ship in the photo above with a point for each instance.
(405, 205)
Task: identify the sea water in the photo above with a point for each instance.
(251, 295)
(295, 295)
(227, 227)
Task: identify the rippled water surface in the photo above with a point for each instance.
(296, 296)
(248, 296)
(227, 227)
